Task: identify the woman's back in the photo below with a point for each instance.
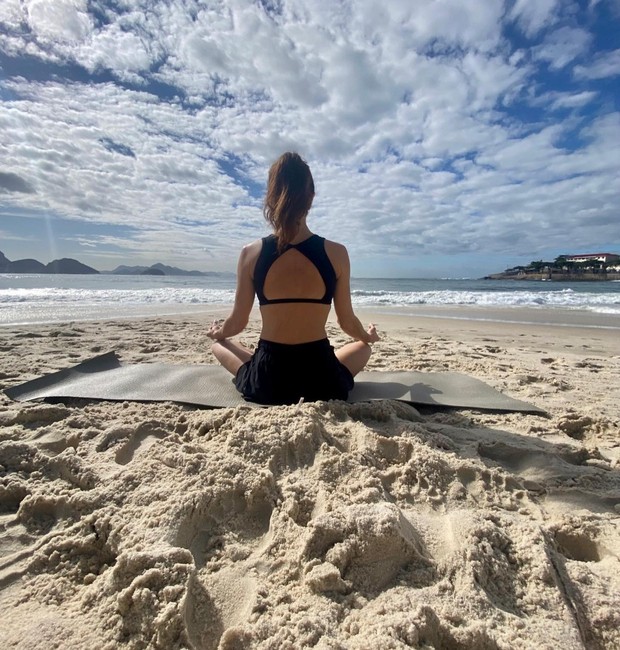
(295, 287)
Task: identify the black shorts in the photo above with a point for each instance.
(279, 373)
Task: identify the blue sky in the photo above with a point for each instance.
(446, 138)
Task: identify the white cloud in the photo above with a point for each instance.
(534, 15)
(407, 112)
(606, 64)
(11, 13)
(562, 46)
(115, 49)
(60, 20)
(571, 100)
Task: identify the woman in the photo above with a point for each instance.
(296, 275)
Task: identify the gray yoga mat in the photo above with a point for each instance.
(105, 377)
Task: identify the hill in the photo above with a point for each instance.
(163, 269)
(66, 265)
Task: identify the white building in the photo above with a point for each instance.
(605, 258)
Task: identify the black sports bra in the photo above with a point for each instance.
(314, 249)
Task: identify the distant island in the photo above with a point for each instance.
(588, 267)
(70, 266)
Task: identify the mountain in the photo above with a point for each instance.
(127, 270)
(70, 266)
(64, 265)
(164, 269)
(25, 266)
(173, 270)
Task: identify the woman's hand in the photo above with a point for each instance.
(216, 330)
(373, 337)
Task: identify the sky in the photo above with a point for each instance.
(446, 138)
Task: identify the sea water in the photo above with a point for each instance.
(33, 298)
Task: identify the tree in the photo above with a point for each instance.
(537, 265)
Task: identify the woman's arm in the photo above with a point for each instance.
(244, 297)
(348, 321)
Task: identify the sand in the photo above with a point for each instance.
(323, 525)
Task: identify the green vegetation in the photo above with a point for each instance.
(561, 269)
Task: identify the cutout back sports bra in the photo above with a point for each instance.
(314, 249)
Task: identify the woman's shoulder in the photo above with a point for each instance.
(338, 256)
(252, 250)
(257, 243)
(335, 248)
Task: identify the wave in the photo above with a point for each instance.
(35, 304)
(167, 295)
(565, 298)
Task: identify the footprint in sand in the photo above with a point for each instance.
(519, 459)
(230, 524)
(551, 474)
(143, 438)
(51, 442)
(572, 499)
(488, 486)
(579, 546)
(139, 437)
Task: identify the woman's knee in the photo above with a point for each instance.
(230, 354)
(220, 350)
(354, 356)
(365, 351)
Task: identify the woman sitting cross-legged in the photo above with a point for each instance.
(296, 275)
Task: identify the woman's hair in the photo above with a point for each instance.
(290, 190)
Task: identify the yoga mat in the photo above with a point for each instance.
(105, 377)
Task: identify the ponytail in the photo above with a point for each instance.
(290, 191)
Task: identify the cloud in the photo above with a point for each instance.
(61, 20)
(534, 15)
(562, 46)
(10, 182)
(567, 100)
(427, 129)
(606, 64)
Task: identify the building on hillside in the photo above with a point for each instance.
(605, 258)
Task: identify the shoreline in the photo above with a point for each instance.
(541, 316)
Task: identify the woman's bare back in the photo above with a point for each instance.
(292, 276)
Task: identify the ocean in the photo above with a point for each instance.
(31, 299)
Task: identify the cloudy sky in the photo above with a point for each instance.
(446, 137)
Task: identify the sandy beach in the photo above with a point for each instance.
(324, 525)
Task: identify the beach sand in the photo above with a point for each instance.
(324, 525)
